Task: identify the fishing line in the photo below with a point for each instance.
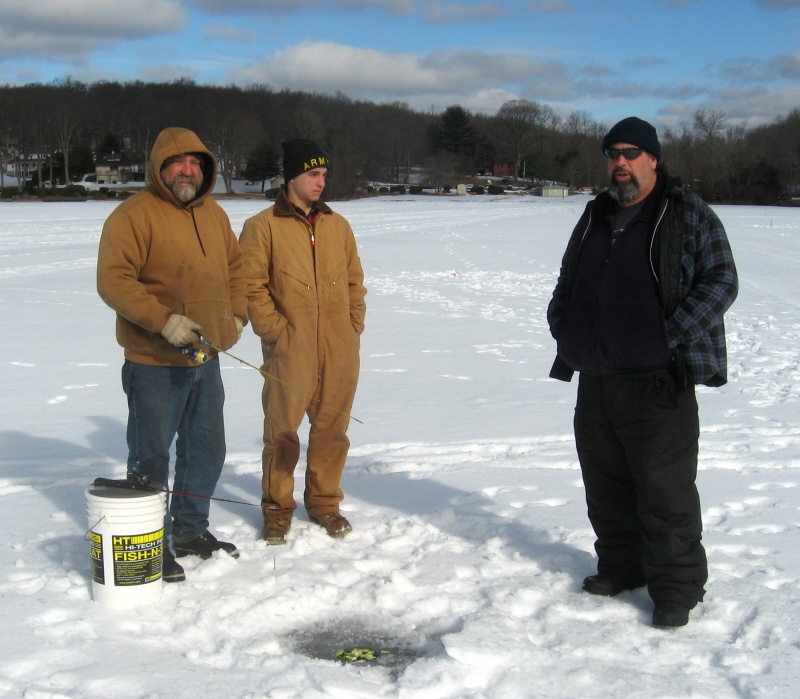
(136, 481)
(199, 358)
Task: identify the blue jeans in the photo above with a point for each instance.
(188, 402)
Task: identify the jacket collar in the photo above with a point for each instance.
(605, 205)
(283, 207)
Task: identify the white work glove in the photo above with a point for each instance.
(180, 331)
(239, 325)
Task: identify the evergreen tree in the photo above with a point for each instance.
(263, 163)
(455, 133)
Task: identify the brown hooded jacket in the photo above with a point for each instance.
(158, 256)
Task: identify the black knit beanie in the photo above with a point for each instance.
(637, 132)
(300, 155)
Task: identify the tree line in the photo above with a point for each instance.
(71, 122)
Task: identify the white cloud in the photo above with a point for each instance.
(778, 4)
(90, 38)
(553, 6)
(751, 105)
(647, 62)
(487, 101)
(757, 105)
(25, 43)
(483, 82)
(439, 12)
(397, 7)
(433, 11)
(750, 70)
(785, 67)
(327, 67)
(683, 91)
(97, 19)
(227, 32)
(373, 74)
(167, 73)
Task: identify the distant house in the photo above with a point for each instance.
(275, 185)
(504, 170)
(118, 168)
(5, 160)
(21, 166)
(555, 190)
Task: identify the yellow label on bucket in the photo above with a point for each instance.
(137, 559)
(98, 574)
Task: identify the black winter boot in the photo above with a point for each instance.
(203, 546)
(670, 615)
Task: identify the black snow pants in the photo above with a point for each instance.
(637, 441)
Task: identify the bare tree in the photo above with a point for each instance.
(70, 117)
(681, 153)
(583, 136)
(440, 168)
(384, 142)
(516, 120)
(709, 124)
(735, 160)
(233, 134)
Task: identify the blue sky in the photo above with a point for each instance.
(659, 59)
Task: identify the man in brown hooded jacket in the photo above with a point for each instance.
(306, 302)
(171, 267)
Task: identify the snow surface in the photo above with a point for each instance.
(470, 534)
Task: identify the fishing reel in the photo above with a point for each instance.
(199, 355)
(139, 480)
(133, 481)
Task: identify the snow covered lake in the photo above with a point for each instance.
(470, 533)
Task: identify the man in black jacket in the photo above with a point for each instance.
(638, 311)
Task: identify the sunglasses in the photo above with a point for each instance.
(627, 153)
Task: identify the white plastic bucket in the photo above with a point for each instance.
(126, 531)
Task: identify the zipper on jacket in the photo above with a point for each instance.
(615, 234)
(653, 239)
(311, 220)
(588, 226)
(607, 259)
(197, 233)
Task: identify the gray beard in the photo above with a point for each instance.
(183, 194)
(624, 193)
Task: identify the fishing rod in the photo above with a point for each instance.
(140, 481)
(199, 356)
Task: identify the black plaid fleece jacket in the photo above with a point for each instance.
(693, 266)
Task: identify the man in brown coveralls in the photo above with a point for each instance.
(306, 303)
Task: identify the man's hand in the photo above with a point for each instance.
(180, 331)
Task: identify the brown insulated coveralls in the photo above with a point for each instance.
(306, 303)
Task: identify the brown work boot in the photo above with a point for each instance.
(334, 523)
(276, 527)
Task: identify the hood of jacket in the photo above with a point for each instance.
(178, 141)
